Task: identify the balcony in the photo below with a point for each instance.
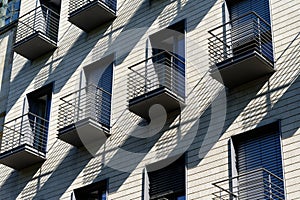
(24, 141)
(157, 80)
(37, 33)
(241, 50)
(84, 117)
(256, 184)
(89, 14)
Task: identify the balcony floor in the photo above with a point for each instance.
(91, 16)
(34, 46)
(85, 132)
(140, 105)
(21, 157)
(241, 69)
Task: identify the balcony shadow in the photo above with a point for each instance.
(281, 94)
(70, 166)
(20, 83)
(16, 181)
(43, 71)
(215, 109)
(68, 59)
(122, 160)
(203, 7)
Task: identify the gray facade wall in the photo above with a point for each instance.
(206, 123)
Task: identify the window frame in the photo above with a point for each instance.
(79, 193)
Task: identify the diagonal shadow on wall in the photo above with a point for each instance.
(63, 175)
(16, 182)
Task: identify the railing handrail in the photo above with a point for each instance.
(75, 5)
(26, 114)
(94, 103)
(158, 61)
(240, 17)
(89, 85)
(247, 173)
(225, 190)
(35, 9)
(150, 58)
(261, 174)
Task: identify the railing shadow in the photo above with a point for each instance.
(277, 99)
(16, 181)
(69, 167)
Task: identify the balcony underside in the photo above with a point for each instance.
(91, 16)
(83, 133)
(241, 69)
(140, 105)
(21, 157)
(34, 46)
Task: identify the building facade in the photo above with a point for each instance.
(150, 99)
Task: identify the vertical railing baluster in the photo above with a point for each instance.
(270, 185)
(21, 128)
(259, 34)
(171, 67)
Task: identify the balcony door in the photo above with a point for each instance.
(250, 32)
(168, 49)
(50, 18)
(99, 81)
(165, 183)
(256, 150)
(39, 103)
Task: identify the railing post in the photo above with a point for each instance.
(21, 128)
(259, 34)
(34, 129)
(172, 67)
(270, 185)
(13, 139)
(146, 75)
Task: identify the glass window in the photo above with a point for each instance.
(94, 191)
(9, 11)
(259, 163)
(167, 183)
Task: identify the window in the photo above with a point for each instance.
(100, 74)
(167, 183)
(39, 103)
(257, 161)
(168, 48)
(9, 11)
(250, 31)
(94, 191)
(50, 11)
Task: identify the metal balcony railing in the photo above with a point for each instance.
(256, 184)
(90, 102)
(240, 36)
(164, 69)
(79, 4)
(41, 20)
(28, 129)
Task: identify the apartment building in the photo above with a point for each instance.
(150, 99)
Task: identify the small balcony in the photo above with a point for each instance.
(89, 14)
(37, 33)
(256, 184)
(241, 50)
(84, 117)
(157, 80)
(24, 141)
